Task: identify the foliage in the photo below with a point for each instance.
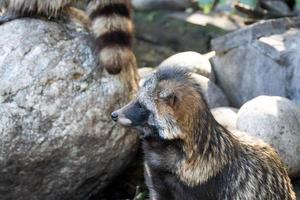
(140, 194)
(250, 3)
(206, 5)
(298, 4)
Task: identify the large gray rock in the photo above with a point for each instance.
(57, 140)
(261, 59)
(193, 61)
(161, 4)
(212, 94)
(276, 120)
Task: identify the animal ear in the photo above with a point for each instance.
(168, 97)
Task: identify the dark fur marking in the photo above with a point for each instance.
(169, 186)
(116, 8)
(119, 38)
(137, 114)
(168, 73)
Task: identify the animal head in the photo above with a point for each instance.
(167, 105)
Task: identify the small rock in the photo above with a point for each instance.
(226, 116)
(277, 6)
(276, 120)
(193, 61)
(213, 94)
(161, 4)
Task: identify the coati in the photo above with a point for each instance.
(188, 155)
(110, 22)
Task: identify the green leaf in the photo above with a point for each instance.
(250, 3)
(206, 5)
(298, 4)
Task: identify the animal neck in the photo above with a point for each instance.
(208, 148)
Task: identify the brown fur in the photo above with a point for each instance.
(109, 21)
(188, 155)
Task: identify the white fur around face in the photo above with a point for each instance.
(167, 126)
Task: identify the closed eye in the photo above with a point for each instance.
(141, 107)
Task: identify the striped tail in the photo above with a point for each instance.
(113, 29)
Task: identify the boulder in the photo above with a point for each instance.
(276, 120)
(193, 61)
(212, 94)
(161, 4)
(226, 116)
(261, 59)
(57, 140)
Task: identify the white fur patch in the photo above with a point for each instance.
(106, 24)
(124, 121)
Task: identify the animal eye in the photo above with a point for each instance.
(141, 107)
(168, 97)
(163, 95)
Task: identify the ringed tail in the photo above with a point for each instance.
(113, 30)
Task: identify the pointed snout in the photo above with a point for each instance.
(120, 116)
(114, 116)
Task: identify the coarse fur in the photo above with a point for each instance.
(188, 155)
(109, 20)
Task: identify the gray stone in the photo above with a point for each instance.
(262, 59)
(212, 93)
(276, 120)
(57, 140)
(226, 116)
(277, 6)
(161, 4)
(193, 61)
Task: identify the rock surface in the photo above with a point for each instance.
(261, 59)
(276, 120)
(226, 116)
(56, 137)
(161, 4)
(193, 61)
(213, 94)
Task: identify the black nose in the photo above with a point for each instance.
(114, 116)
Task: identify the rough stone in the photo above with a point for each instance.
(276, 120)
(212, 93)
(57, 138)
(226, 116)
(193, 61)
(261, 59)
